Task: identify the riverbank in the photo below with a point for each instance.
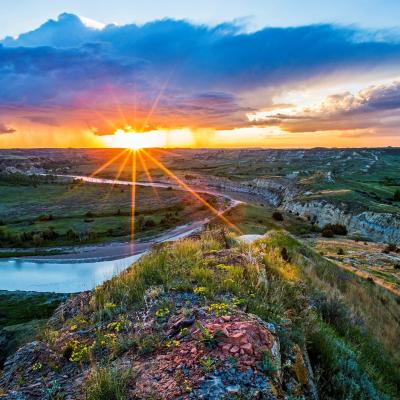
(22, 316)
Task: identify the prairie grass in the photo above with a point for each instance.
(280, 287)
(370, 314)
(107, 383)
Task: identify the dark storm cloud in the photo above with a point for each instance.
(66, 65)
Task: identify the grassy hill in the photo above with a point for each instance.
(210, 317)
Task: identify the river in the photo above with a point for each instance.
(83, 268)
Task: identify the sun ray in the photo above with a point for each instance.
(118, 107)
(108, 163)
(133, 198)
(100, 115)
(97, 171)
(116, 177)
(219, 214)
(148, 175)
(155, 103)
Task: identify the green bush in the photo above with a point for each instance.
(327, 232)
(277, 216)
(336, 229)
(389, 248)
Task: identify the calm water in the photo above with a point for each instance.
(59, 277)
(72, 277)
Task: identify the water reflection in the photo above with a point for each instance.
(59, 277)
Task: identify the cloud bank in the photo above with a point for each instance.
(174, 74)
(378, 106)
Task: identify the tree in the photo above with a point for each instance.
(277, 216)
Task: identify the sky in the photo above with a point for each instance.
(253, 73)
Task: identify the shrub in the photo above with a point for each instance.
(329, 230)
(396, 266)
(396, 196)
(140, 222)
(37, 240)
(285, 254)
(49, 234)
(44, 218)
(340, 251)
(389, 248)
(149, 223)
(277, 216)
(107, 384)
(71, 234)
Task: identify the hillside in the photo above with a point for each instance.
(213, 318)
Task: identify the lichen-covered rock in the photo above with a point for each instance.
(192, 350)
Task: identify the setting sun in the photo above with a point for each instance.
(134, 140)
(129, 139)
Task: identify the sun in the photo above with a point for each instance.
(134, 140)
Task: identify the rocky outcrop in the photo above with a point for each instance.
(193, 353)
(381, 227)
(284, 193)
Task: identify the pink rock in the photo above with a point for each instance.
(193, 350)
(226, 348)
(225, 331)
(236, 335)
(234, 349)
(244, 340)
(248, 348)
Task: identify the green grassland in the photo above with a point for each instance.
(52, 214)
(361, 179)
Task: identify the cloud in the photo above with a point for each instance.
(4, 129)
(179, 73)
(377, 106)
(43, 120)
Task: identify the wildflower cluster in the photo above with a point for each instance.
(37, 366)
(219, 308)
(224, 267)
(105, 339)
(162, 312)
(77, 323)
(201, 291)
(184, 332)
(116, 326)
(172, 343)
(80, 351)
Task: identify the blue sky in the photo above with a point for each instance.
(17, 16)
(284, 73)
